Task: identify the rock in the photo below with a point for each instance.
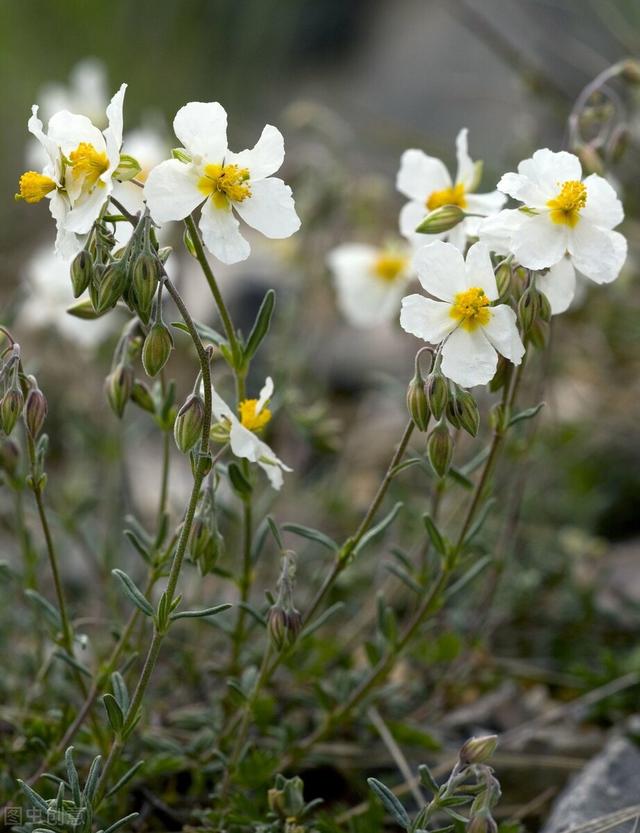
(609, 782)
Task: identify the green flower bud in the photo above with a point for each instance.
(631, 70)
(277, 626)
(528, 308)
(118, 387)
(9, 456)
(503, 279)
(478, 750)
(81, 272)
(440, 449)
(187, 429)
(544, 312)
(417, 404)
(10, 409)
(110, 286)
(35, 411)
(286, 799)
(145, 284)
(463, 412)
(538, 334)
(482, 822)
(499, 418)
(127, 169)
(437, 391)
(441, 219)
(141, 396)
(157, 348)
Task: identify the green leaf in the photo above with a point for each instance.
(197, 614)
(412, 735)
(239, 482)
(273, 528)
(378, 529)
(319, 622)
(460, 478)
(261, 325)
(120, 823)
(312, 535)
(477, 568)
(72, 775)
(133, 592)
(73, 662)
(391, 803)
(530, 413)
(205, 332)
(125, 779)
(404, 577)
(114, 712)
(406, 464)
(479, 521)
(47, 608)
(253, 613)
(33, 796)
(427, 780)
(120, 691)
(434, 534)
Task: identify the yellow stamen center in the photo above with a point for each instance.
(447, 196)
(471, 308)
(224, 183)
(566, 207)
(34, 187)
(88, 163)
(389, 266)
(249, 418)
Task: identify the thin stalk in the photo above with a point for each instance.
(245, 585)
(164, 477)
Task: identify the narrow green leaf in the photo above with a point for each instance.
(253, 613)
(479, 521)
(261, 325)
(406, 464)
(239, 482)
(204, 331)
(460, 478)
(434, 534)
(319, 622)
(427, 780)
(390, 802)
(312, 535)
(72, 775)
(529, 413)
(125, 779)
(114, 712)
(133, 592)
(120, 823)
(33, 796)
(378, 529)
(404, 577)
(47, 608)
(72, 661)
(120, 691)
(197, 614)
(273, 528)
(468, 577)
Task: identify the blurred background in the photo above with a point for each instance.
(351, 84)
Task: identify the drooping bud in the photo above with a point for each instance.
(111, 286)
(157, 348)
(286, 799)
(440, 449)
(118, 387)
(10, 409)
(187, 429)
(441, 219)
(437, 392)
(81, 272)
(35, 411)
(482, 822)
(463, 412)
(503, 279)
(128, 168)
(145, 283)
(417, 404)
(141, 396)
(277, 626)
(9, 456)
(478, 750)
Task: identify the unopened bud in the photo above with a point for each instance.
(463, 408)
(145, 284)
(128, 168)
(437, 391)
(284, 626)
(417, 404)
(187, 429)
(499, 418)
(440, 449)
(441, 219)
(538, 334)
(81, 272)
(631, 71)
(503, 279)
(482, 822)
(157, 348)
(478, 750)
(141, 396)
(111, 286)
(528, 308)
(35, 411)
(118, 387)
(286, 799)
(10, 409)
(9, 456)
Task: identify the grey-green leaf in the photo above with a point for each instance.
(133, 592)
(390, 802)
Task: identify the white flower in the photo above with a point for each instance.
(369, 281)
(565, 223)
(45, 305)
(428, 184)
(470, 329)
(244, 442)
(78, 177)
(223, 183)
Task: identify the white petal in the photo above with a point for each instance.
(559, 285)
(113, 133)
(50, 147)
(603, 208)
(520, 187)
(466, 169)
(266, 156)
(221, 235)
(597, 253)
(270, 209)
(497, 232)
(171, 191)
(440, 269)
(549, 169)
(86, 211)
(68, 130)
(502, 332)
(479, 270)
(67, 243)
(539, 242)
(219, 407)
(202, 129)
(265, 394)
(245, 444)
(427, 319)
(351, 258)
(420, 175)
(411, 215)
(485, 204)
(468, 358)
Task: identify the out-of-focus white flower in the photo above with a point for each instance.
(207, 173)
(149, 147)
(243, 439)
(472, 331)
(369, 281)
(78, 177)
(565, 224)
(428, 184)
(49, 296)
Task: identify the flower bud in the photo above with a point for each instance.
(478, 750)
(9, 456)
(157, 348)
(544, 311)
(284, 626)
(128, 168)
(440, 449)
(528, 308)
(111, 286)
(81, 272)
(10, 409)
(145, 283)
(417, 404)
(462, 411)
(118, 387)
(286, 799)
(538, 334)
(441, 219)
(499, 418)
(631, 70)
(35, 411)
(187, 429)
(437, 392)
(141, 395)
(482, 822)
(503, 279)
